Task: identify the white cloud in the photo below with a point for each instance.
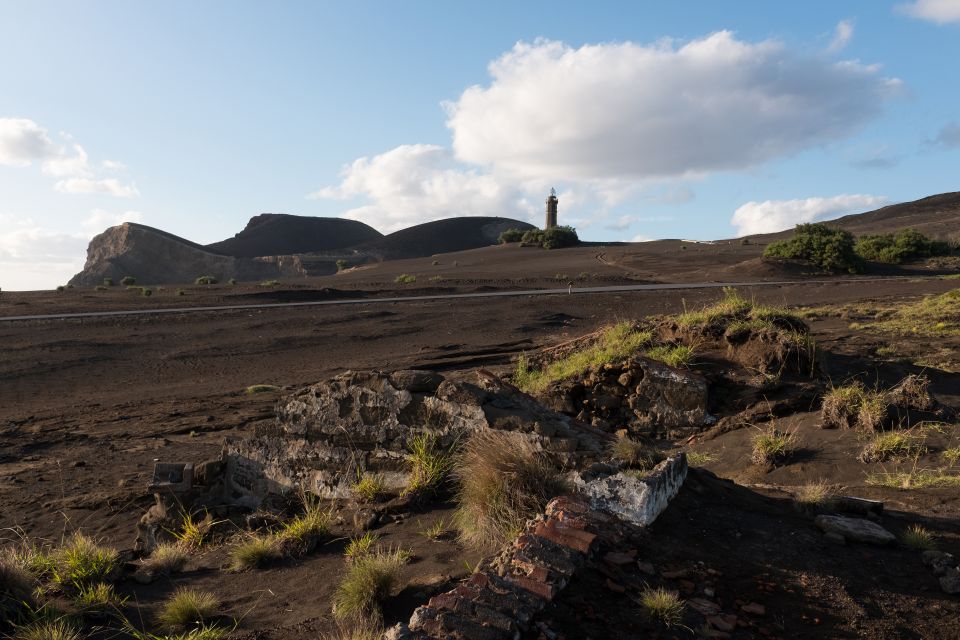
(415, 183)
(948, 137)
(939, 11)
(637, 112)
(641, 238)
(842, 35)
(35, 257)
(776, 215)
(99, 219)
(23, 142)
(109, 186)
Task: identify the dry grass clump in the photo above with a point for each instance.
(503, 481)
(369, 581)
(891, 445)
(261, 388)
(59, 629)
(912, 479)
(309, 526)
(430, 465)
(773, 446)
(614, 343)
(815, 496)
(368, 487)
(934, 316)
(635, 454)
(841, 405)
(698, 459)
(166, 559)
(435, 531)
(916, 537)
(188, 607)
(98, 596)
(255, 552)
(872, 411)
(662, 605)
(951, 455)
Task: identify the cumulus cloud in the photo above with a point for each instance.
(842, 34)
(108, 186)
(948, 137)
(414, 183)
(635, 111)
(35, 257)
(770, 216)
(23, 142)
(939, 11)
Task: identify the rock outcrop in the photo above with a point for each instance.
(363, 422)
(156, 257)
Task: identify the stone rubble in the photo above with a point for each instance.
(856, 529)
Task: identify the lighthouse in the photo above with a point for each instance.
(552, 202)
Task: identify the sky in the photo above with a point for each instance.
(688, 119)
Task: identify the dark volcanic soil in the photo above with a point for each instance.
(87, 406)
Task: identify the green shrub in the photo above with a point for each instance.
(361, 545)
(905, 246)
(559, 237)
(108, 282)
(82, 562)
(205, 280)
(98, 597)
(511, 235)
(128, 280)
(232, 281)
(341, 265)
(831, 249)
(61, 288)
(368, 487)
(146, 292)
(405, 278)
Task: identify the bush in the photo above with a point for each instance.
(827, 248)
(146, 292)
(368, 582)
(405, 278)
(188, 607)
(662, 605)
(360, 545)
(232, 281)
(128, 281)
(511, 235)
(108, 282)
(552, 238)
(254, 552)
(905, 246)
(503, 481)
(368, 487)
(205, 280)
(341, 265)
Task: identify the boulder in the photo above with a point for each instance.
(856, 529)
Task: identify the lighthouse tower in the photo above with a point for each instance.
(552, 202)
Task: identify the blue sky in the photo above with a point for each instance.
(684, 119)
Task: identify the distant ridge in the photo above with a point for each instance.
(441, 236)
(274, 234)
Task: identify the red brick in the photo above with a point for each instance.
(448, 601)
(530, 570)
(542, 589)
(478, 580)
(572, 538)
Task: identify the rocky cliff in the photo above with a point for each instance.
(153, 256)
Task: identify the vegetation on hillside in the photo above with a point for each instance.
(831, 249)
(552, 238)
(905, 246)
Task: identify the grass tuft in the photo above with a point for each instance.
(188, 607)
(436, 531)
(405, 278)
(635, 454)
(916, 537)
(913, 479)
(503, 481)
(816, 496)
(772, 446)
(82, 562)
(951, 455)
(60, 629)
(193, 533)
(675, 355)
(312, 524)
(430, 465)
(368, 487)
(254, 552)
(360, 545)
(166, 559)
(369, 581)
(891, 445)
(698, 459)
(662, 605)
(98, 596)
(261, 388)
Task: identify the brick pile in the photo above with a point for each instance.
(498, 601)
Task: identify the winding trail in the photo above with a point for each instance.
(450, 296)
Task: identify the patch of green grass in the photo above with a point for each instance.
(731, 305)
(891, 445)
(269, 283)
(254, 552)
(503, 481)
(952, 276)
(614, 343)
(405, 278)
(368, 487)
(370, 579)
(313, 523)
(951, 455)
(98, 596)
(261, 388)
(675, 355)
(430, 464)
(360, 545)
(194, 533)
(635, 454)
(935, 316)
(662, 605)
(81, 562)
(771, 446)
(188, 607)
(916, 537)
(436, 531)
(205, 280)
(698, 459)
